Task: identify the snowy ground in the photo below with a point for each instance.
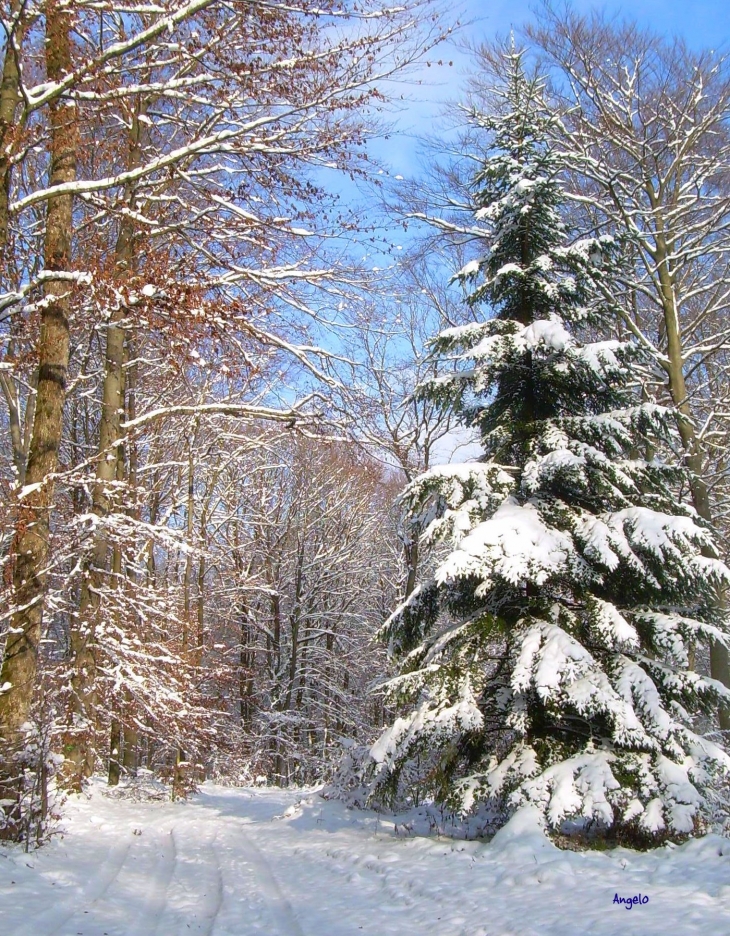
(274, 862)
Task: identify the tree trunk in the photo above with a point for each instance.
(410, 551)
(115, 752)
(9, 389)
(694, 456)
(9, 100)
(32, 535)
(109, 469)
(122, 744)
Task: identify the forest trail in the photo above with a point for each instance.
(266, 862)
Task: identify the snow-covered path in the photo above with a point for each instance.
(248, 862)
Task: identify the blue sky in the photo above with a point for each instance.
(702, 23)
(428, 91)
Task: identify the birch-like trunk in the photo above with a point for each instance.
(693, 449)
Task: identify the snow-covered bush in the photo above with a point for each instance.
(29, 798)
(547, 660)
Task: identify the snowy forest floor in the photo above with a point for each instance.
(287, 863)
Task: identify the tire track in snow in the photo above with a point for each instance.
(48, 923)
(212, 906)
(156, 886)
(279, 909)
(196, 897)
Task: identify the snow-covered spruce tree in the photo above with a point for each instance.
(547, 660)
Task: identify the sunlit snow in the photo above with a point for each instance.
(287, 863)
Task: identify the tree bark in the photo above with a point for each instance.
(32, 536)
(109, 469)
(9, 101)
(694, 456)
